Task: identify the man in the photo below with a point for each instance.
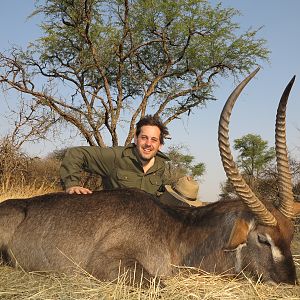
(140, 164)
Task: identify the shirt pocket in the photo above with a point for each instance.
(156, 182)
(129, 179)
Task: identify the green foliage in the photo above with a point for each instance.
(181, 164)
(102, 64)
(255, 161)
(254, 154)
(158, 33)
(198, 170)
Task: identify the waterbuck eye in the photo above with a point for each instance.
(263, 239)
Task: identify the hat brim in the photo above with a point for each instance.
(196, 202)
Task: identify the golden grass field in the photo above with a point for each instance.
(18, 284)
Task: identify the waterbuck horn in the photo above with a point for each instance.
(263, 215)
(283, 169)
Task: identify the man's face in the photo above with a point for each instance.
(148, 142)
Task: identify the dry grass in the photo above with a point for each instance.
(25, 191)
(17, 284)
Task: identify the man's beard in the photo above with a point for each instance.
(141, 157)
(146, 159)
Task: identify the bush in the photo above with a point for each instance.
(18, 170)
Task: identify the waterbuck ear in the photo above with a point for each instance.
(239, 234)
(297, 208)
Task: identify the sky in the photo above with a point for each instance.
(255, 110)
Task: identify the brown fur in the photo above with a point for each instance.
(109, 231)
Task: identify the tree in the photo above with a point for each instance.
(255, 161)
(254, 154)
(101, 65)
(31, 123)
(181, 164)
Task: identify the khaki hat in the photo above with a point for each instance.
(186, 190)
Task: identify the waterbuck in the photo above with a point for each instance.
(109, 231)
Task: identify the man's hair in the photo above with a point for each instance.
(150, 120)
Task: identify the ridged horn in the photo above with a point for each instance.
(262, 214)
(284, 174)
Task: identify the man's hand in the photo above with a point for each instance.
(78, 190)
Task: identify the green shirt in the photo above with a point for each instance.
(118, 167)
